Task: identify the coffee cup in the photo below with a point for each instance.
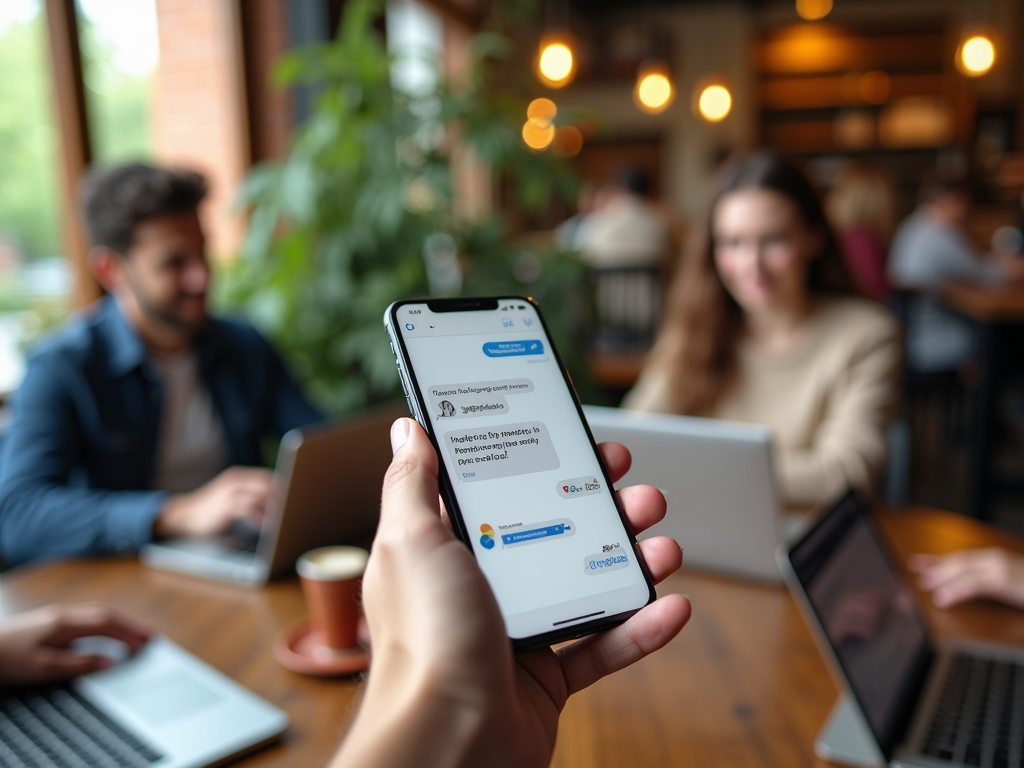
(331, 580)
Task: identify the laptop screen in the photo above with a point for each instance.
(868, 614)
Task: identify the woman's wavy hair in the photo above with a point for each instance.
(697, 344)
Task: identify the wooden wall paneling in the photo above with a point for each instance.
(75, 146)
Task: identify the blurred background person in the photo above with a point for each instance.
(930, 248)
(567, 234)
(764, 324)
(860, 206)
(143, 417)
(625, 229)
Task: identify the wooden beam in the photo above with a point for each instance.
(76, 149)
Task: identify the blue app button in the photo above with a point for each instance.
(513, 348)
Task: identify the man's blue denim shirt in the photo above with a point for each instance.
(78, 463)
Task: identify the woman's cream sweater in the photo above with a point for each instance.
(827, 399)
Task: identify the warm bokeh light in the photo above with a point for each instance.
(976, 55)
(874, 87)
(556, 63)
(538, 134)
(542, 109)
(812, 10)
(568, 141)
(714, 103)
(653, 92)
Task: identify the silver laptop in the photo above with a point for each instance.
(162, 708)
(913, 702)
(717, 477)
(327, 481)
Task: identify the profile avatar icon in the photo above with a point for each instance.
(487, 540)
(447, 410)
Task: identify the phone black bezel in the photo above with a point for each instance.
(446, 485)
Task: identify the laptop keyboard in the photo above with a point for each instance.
(56, 728)
(979, 720)
(240, 543)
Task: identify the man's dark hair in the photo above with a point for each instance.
(634, 179)
(116, 200)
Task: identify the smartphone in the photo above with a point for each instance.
(520, 474)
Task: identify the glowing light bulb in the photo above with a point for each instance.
(556, 64)
(714, 103)
(538, 134)
(977, 55)
(542, 109)
(653, 92)
(812, 10)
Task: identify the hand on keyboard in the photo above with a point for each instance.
(37, 646)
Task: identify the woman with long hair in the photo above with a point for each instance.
(764, 324)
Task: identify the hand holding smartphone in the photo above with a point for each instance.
(521, 477)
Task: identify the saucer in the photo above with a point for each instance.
(299, 648)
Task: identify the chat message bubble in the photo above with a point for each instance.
(605, 562)
(587, 485)
(511, 449)
(478, 398)
(513, 348)
(519, 535)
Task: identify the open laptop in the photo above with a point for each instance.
(913, 701)
(161, 708)
(327, 491)
(717, 477)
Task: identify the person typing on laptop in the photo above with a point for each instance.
(143, 417)
(36, 646)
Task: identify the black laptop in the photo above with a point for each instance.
(924, 703)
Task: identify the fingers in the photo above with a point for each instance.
(74, 621)
(249, 490)
(616, 458)
(644, 506)
(922, 562)
(59, 664)
(594, 657)
(960, 588)
(663, 556)
(961, 576)
(410, 485)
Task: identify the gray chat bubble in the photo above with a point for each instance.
(493, 452)
(477, 398)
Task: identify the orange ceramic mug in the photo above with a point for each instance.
(331, 580)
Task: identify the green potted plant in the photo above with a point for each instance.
(360, 211)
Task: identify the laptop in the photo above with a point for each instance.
(161, 708)
(328, 481)
(717, 476)
(914, 701)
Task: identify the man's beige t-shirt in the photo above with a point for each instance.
(192, 447)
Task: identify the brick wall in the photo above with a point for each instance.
(271, 116)
(199, 106)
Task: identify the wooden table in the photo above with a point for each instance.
(744, 685)
(997, 312)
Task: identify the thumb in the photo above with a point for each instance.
(410, 485)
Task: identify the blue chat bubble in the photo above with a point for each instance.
(538, 532)
(513, 348)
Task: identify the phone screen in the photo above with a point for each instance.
(536, 505)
